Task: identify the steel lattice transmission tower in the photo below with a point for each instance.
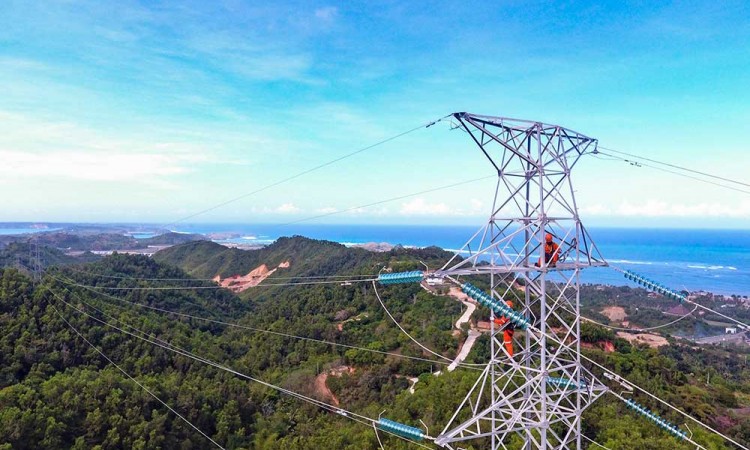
(534, 398)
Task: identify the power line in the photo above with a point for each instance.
(331, 162)
(353, 208)
(705, 308)
(327, 406)
(640, 329)
(697, 305)
(304, 172)
(554, 338)
(665, 403)
(311, 277)
(257, 330)
(640, 164)
(674, 166)
(375, 287)
(403, 197)
(377, 436)
(173, 348)
(180, 351)
(133, 379)
(194, 288)
(689, 439)
(594, 442)
(392, 199)
(591, 361)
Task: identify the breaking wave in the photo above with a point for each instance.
(627, 261)
(705, 267)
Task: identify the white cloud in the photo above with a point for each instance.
(382, 211)
(595, 210)
(287, 208)
(326, 210)
(367, 212)
(33, 148)
(419, 207)
(284, 208)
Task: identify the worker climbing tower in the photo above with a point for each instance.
(531, 253)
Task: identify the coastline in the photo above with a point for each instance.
(717, 261)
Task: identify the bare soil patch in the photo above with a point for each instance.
(238, 283)
(614, 313)
(322, 391)
(652, 340)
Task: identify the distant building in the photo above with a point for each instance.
(730, 330)
(434, 281)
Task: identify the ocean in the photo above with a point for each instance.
(716, 261)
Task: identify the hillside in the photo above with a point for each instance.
(85, 416)
(76, 240)
(171, 238)
(56, 392)
(306, 257)
(638, 308)
(22, 256)
(84, 242)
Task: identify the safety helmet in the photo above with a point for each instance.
(548, 237)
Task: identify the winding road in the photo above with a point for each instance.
(473, 334)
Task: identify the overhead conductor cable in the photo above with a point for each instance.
(170, 347)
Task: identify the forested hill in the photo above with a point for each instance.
(23, 256)
(77, 240)
(306, 257)
(57, 392)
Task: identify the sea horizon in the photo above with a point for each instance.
(711, 260)
(166, 226)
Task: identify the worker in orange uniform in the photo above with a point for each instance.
(508, 331)
(551, 252)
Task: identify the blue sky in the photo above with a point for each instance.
(150, 111)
